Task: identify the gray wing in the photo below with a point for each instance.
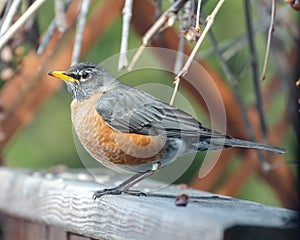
(132, 110)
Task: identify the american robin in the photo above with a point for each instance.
(127, 129)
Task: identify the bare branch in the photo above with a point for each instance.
(50, 32)
(166, 20)
(48, 36)
(210, 20)
(271, 30)
(127, 13)
(234, 83)
(254, 66)
(197, 27)
(2, 5)
(12, 30)
(179, 55)
(181, 45)
(226, 46)
(79, 30)
(8, 19)
(60, 18)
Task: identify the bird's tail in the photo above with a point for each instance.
(232, 142)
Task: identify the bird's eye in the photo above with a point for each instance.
(85, 75)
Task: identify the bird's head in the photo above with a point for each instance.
(85, 79)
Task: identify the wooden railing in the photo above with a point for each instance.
(59, 205)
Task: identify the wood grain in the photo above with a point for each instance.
(62, 200)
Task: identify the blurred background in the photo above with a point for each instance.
(35, 125)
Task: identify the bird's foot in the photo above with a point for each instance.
(135, 193)
(106, 191)
(116, 191)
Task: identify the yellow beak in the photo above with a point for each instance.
(63, 76)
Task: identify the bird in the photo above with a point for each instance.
(128, 130)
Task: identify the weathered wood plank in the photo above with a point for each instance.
(56, 233)
(18, 229)
(34, 231)
(13, 229)
(77, 237)
(64, 201)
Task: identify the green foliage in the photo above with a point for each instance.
(48, 140)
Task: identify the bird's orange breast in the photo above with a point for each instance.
(110, 146)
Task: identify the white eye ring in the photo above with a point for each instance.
(84, 75)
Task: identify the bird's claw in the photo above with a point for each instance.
(135, 193)
(106, 191)
(116, 191)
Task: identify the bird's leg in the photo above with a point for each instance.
(124, 186)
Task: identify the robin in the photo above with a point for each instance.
(127, 129)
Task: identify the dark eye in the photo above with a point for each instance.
(85, 75)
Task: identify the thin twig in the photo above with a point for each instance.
(271, 30)
(254, 66)
(229, 48)
(10, 15)
(181, 45)
(158, 8)
(2, 5)
(12, 30)
(179, 55)
(50, 32)
(60, 18)
(79, 30)
(210, 20)
(197, 27)
(226, 46)
(166, 20)
(4, 10)
(127, 13)
(48, 36)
